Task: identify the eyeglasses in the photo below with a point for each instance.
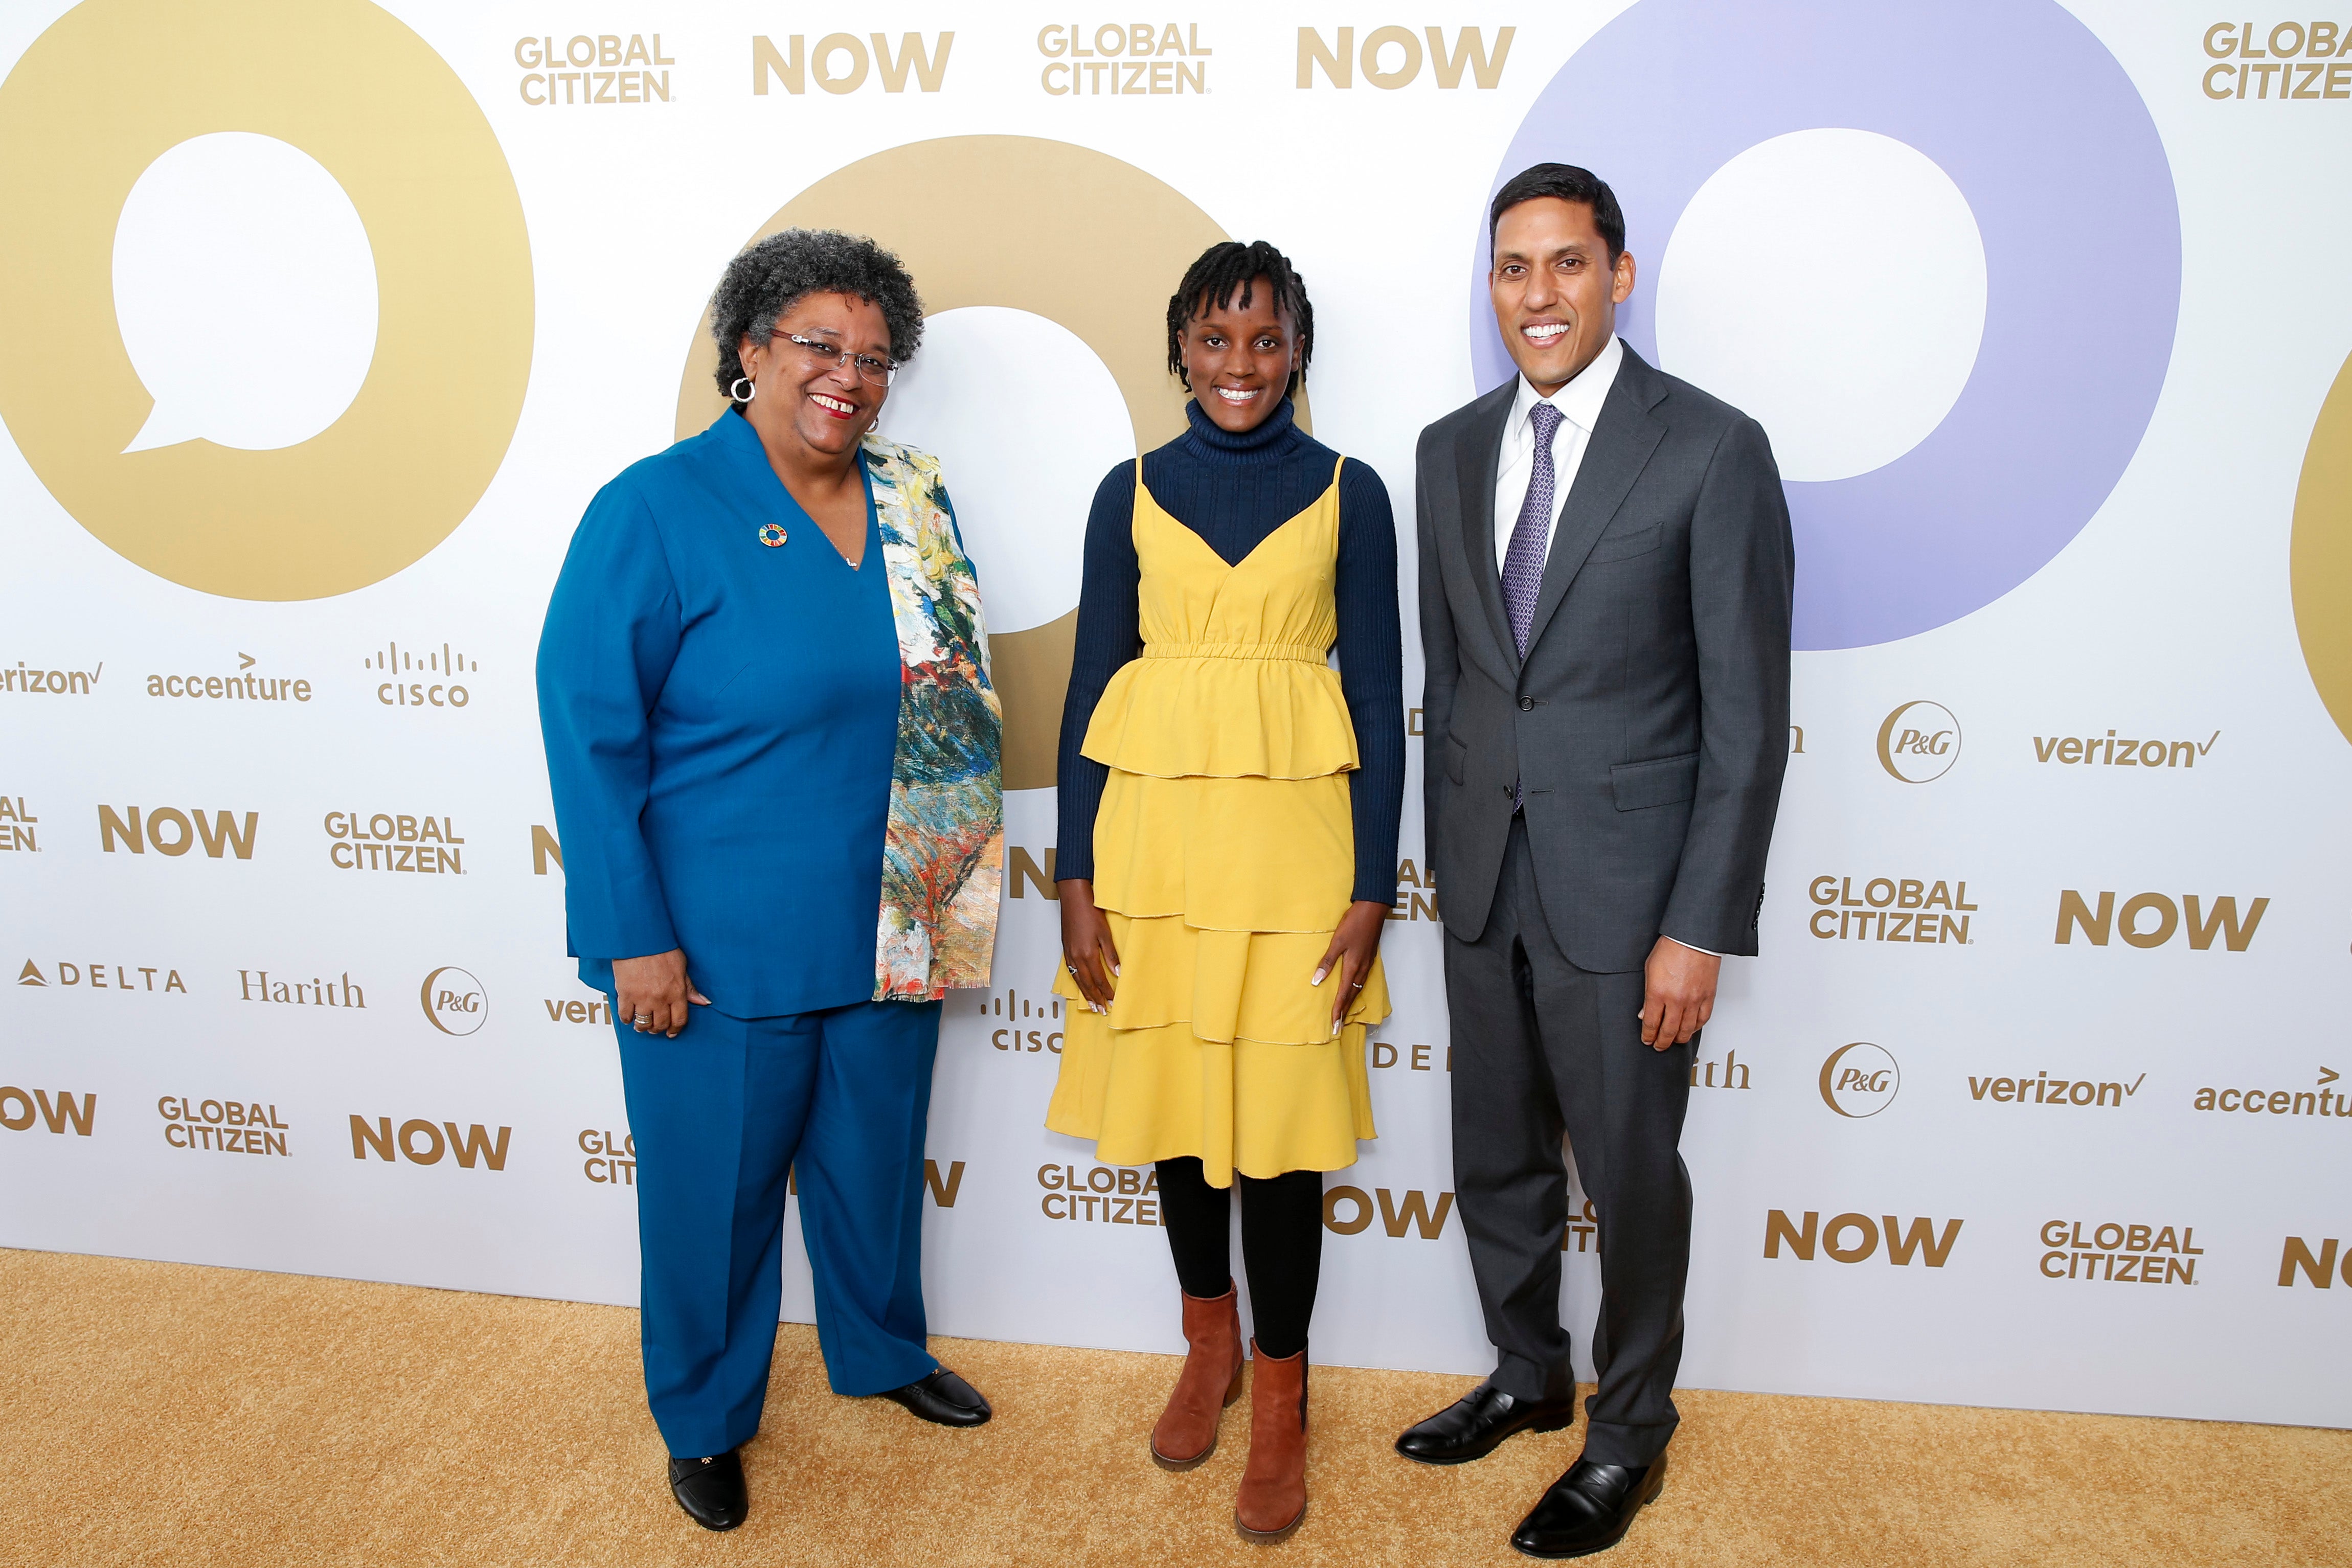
(870, 368)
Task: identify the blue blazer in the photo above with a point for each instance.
(720, 715)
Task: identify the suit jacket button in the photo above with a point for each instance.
(1526, 705)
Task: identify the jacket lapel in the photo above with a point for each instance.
(1618, 449)
(1481, 446)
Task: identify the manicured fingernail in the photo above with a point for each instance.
(1335, 1027)
(1318, 977)
(1114, 970)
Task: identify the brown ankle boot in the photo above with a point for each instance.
(1273, 1498)
(1212, 1379)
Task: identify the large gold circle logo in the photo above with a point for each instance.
(2320, 559)
(1088, 242)
(104, 93)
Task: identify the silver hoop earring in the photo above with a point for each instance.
(751, 390)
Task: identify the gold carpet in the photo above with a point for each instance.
(158, 1412)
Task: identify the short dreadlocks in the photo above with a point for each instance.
(1231, 267)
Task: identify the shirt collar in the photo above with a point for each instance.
(1579, 401)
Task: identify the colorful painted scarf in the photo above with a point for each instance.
(943, 850)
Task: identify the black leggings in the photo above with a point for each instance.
(1282, 1245)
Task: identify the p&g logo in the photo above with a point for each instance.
(1919, 742)
(453, 1001)
(1860, 1080)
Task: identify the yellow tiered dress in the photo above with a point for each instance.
(1225, 856)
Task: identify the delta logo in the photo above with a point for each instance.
(93, 975)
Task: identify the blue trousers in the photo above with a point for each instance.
(722, 1115)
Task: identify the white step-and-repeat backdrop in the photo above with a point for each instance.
(322, 322)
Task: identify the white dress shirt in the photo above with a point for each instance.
(1579, 403)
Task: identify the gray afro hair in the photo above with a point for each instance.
(769, 278)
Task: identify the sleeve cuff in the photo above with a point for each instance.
(1692, 946)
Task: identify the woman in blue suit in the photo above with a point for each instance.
(774, 745)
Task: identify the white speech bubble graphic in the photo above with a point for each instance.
(1020, 503)
(1884, 238)
(246, 292)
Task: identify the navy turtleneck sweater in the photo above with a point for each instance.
(1233, 491)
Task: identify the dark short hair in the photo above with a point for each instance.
(1230, 268)
(767, 279)
(1567, 183)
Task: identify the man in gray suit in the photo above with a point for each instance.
(1605, 575)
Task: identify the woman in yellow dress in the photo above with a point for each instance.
(1227, 854)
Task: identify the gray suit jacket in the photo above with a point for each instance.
(1650, 717)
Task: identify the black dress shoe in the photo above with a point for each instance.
(945, 1398)
(1473, 1426)
(711, 1490)
(1586, 1509)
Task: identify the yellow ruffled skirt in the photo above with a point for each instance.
(1222, 894)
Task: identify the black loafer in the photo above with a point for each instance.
(945, 1398)
(711, 1490)
(1474, 1425)
(1589, 1509)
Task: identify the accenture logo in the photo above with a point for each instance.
(453, 1001)
(1918, 742)
(1860, 1080)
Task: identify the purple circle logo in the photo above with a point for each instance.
(2047, 139)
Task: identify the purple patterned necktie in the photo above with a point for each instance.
(1523, 563)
